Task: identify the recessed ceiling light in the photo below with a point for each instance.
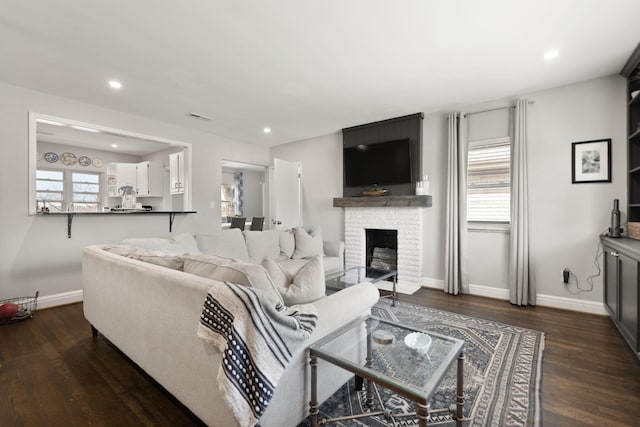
(85, 129)
(50, 122)
(551, 54)
(114, 145)
(267, 130)
(114, 84)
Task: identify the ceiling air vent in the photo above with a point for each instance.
(199, 117)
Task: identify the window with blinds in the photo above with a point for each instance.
(489, 181)
(50, 189)
(85, 194)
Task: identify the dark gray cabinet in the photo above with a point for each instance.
(621, 296)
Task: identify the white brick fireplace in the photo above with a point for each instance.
(408, 221)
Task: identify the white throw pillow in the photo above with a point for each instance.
(225, 270)
(262, 244)
(227, 243)
(183, 243)
(308, 245)
(306, 286)
(287, 243)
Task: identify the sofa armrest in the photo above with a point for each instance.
(344, 306)
(333, 248)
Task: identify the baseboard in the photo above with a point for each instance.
(63, 298)
(488, 291)
(542, 300)
(573, 304)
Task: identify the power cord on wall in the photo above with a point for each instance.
(596, 262)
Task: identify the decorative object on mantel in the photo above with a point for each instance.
(591, 161)
(84, 161)
(375, 192)
(423, 187)
(69, 159)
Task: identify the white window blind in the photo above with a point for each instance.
(488, 181)
(85, 194)
(50, 189)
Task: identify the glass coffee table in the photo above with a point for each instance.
(355, 275)
(383, 356)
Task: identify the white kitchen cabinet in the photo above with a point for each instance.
(176, 173)
(145, 178)
(149, 179)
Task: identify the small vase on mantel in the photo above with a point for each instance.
(423, 188)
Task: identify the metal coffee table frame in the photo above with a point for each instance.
(362, 274)
(420, 396)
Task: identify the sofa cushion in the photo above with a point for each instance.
(308, 245)
(175, 262)
(204, 265)
(226, 243)
(262, 244)
(307, 285)
(287, 243)
(183, 243)
(229, 270)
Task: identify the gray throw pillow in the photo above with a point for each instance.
(306, 286)
(226, 270)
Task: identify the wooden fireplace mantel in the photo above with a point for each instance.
(382, 202)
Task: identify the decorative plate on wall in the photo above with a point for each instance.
(69, 159)
(84, 161)
(97, 163)
(39, 155)
(51, 157)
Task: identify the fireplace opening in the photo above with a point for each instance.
(381, 249)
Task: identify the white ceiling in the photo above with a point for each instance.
(306, 68)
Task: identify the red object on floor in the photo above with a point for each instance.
(8, 310)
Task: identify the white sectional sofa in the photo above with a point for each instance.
(151, 313)
(291, 247)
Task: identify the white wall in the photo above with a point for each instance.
(35, 253)
(565, 218)
(321, 160)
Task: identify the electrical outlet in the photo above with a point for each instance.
(565, 275)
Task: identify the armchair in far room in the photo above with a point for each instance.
(257, 223)
(238, 222)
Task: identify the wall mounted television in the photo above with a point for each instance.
(383, 163)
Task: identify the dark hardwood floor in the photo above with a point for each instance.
(54, 373)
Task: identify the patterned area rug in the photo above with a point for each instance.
(502, 373)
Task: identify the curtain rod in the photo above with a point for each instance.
(494, 109)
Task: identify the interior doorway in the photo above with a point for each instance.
(242, 191)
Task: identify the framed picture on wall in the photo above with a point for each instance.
(591, 161)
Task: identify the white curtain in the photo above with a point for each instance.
(521, 290)
(455, 274)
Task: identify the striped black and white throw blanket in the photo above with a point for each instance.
(257, 338)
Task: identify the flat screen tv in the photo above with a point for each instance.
(383, 163)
